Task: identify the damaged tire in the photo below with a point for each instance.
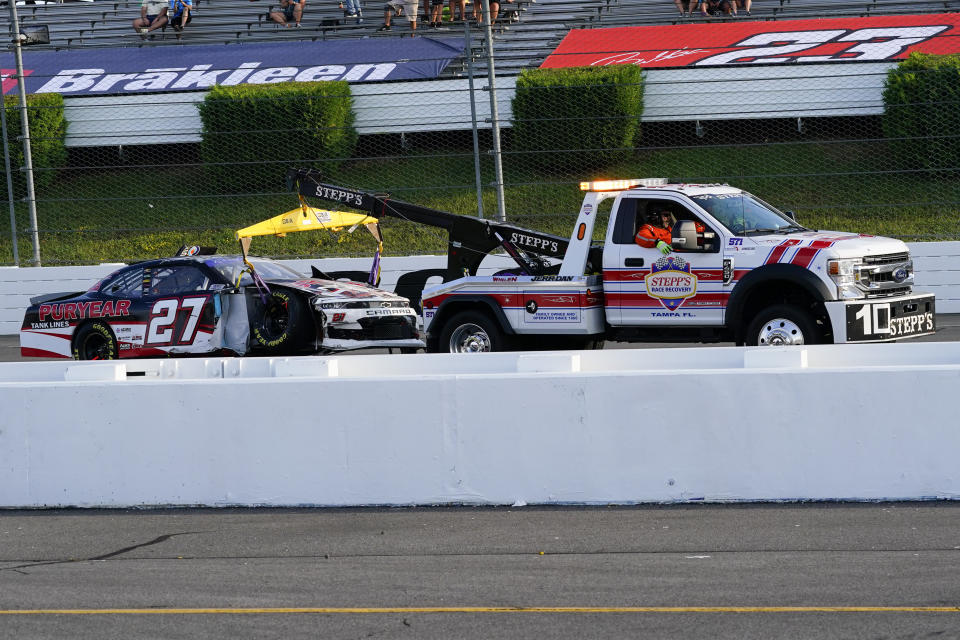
(283, 323)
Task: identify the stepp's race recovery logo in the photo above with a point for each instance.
(832, 40)
(671, 281)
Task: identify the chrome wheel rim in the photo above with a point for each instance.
(779, 332)
(470, 338)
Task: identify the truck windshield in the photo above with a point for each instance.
(744, 214)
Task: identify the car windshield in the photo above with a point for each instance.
(744, 214)
(232, 268)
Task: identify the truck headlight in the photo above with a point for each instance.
(846, 274)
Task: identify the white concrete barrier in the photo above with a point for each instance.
(853, 422)
(937, 264)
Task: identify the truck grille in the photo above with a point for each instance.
(886, 275)
(890, 258)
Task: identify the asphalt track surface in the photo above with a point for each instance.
(692, 571)
(798, 571)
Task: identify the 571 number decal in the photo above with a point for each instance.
(864, 44)
(163, 317)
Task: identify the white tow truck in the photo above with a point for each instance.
(738, 270)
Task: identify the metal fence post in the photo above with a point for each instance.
(468, 45)
(494, 114)
(25, 126)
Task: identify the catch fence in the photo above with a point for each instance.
(131, 175)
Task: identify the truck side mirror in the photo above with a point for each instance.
(685, 235)
(791, 215)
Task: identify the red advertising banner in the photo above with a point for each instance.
(734, 43)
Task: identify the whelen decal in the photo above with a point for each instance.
(834, 40)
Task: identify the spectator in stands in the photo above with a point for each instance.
(436, 13)
(408, 8)
(742, 4)
(181, 14)
(691, 5)
(153, 15)
(494, 11)
(717, 7)
(458, 8)
(290, 13)
(352, 10)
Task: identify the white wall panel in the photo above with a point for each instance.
(484, 429)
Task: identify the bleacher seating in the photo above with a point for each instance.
(524, 35)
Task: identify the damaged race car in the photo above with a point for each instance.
(202, 303)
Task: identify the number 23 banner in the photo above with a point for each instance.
(735, 43)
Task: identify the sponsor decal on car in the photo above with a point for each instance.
(82, 310)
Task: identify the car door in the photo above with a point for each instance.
(683, 287)
(181, 317)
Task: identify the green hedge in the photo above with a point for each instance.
(922, 112)
(48, 127)
(253, 133)
(581, 117)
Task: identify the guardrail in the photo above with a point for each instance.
(852, 422)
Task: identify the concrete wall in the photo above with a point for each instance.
(856, 422)
(937, 265)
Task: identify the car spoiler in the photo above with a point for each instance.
(48, 297)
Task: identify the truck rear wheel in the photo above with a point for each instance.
(471, 332)
(782, 325)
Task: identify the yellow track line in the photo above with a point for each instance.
(358, 610)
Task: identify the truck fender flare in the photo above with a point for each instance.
(800, 276)
(451, 305)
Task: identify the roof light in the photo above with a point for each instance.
(620, 185)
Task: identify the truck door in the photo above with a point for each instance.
(647, 287)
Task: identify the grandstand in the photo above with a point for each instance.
(525, 34)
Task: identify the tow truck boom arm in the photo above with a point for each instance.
(470, 238)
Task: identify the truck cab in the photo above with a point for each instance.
(740, 269)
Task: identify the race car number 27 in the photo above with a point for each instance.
(164, 316)
(864, 44)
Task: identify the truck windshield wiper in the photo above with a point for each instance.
(791, 229)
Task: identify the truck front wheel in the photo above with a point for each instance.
(782, 325)
(471, 332)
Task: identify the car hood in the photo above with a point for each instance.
(840, 244)
(335, 289)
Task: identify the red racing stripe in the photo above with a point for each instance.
(780, 249)
(805, 256)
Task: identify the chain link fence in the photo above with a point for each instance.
(137, 179)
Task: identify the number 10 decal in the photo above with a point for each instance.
(164, 316)
(875, 44)
(875, 318)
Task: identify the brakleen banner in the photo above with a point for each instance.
(189, 68)
(736, 43)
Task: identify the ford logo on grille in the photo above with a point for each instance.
(900, 274)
